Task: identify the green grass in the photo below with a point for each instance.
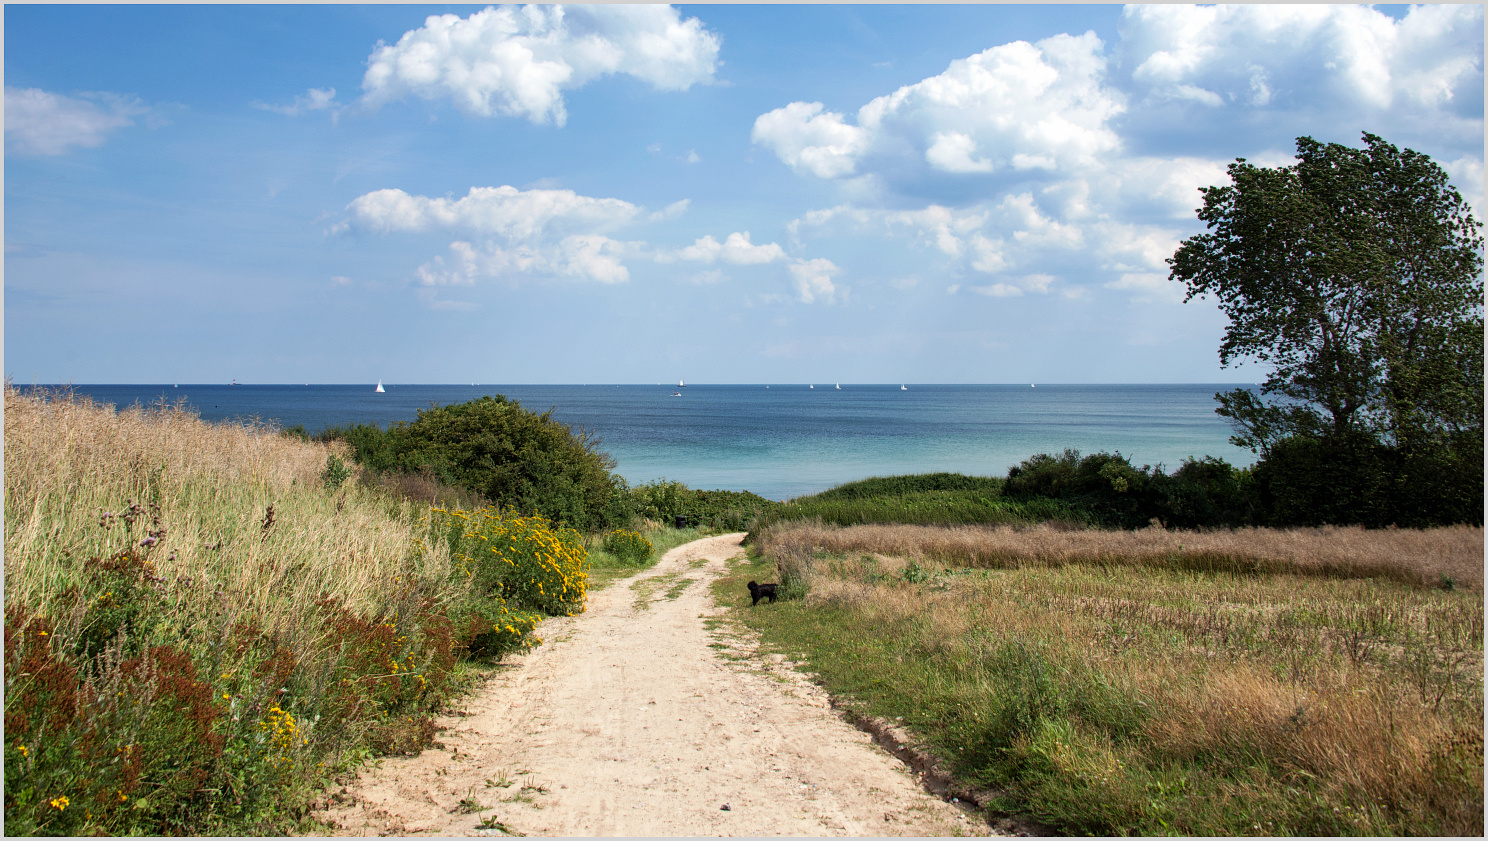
(1110, 701)
(941, 499)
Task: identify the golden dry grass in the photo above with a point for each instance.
(1335, 676)
(1422, 557)
(68, 461)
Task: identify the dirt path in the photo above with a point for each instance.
(634, 718)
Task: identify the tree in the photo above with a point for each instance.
(1357, 276)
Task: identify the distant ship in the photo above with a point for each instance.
(902, 388)
(839, 386)
(681, 384)
(235, 381)
(811, 386)
(676, 394)
(380, 389)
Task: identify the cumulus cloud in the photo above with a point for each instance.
(315, 99)
(590, 257)
(517, 61)
(1018, 107)
(538, 232)
(811, 141)
(504, 211)
(736, 249)
(41, 123)
(1266, 55)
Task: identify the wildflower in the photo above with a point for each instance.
(60, 803)
(22, 749)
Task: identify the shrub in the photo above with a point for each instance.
(628, 546)
(514, 457)
(336, 472)
(519, 568)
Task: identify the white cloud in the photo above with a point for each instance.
(1289, 56)
(952, 151)
(517, 61)
(589, 257)
(735, 249)
(1020, 105)
(504, 211)
(813, 280)
(998, 290)
(810, 141)
(315, 99)
(42, 123)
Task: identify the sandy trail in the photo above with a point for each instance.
(634, 718)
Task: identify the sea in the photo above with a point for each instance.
(778, 440)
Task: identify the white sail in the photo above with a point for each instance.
(380, 389)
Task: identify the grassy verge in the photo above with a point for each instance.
(204, 623)
(1110, 698)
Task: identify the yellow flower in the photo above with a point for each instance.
(60, 803)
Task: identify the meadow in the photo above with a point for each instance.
(1248, 682)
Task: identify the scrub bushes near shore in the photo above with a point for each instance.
(666, 502)
(514, 457)
(199, 630)
(1336, 689)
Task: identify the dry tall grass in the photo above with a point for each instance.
(69, 462)
(1425, 558)
(1167, 698)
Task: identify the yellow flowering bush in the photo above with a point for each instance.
(520, 569)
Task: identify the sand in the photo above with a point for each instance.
(641, 716)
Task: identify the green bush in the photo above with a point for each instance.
(336, 472)
(628, 546)
(886, 486)
(516, 458)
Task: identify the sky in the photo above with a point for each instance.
(646, 194)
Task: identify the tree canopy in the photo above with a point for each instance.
(1356, 276)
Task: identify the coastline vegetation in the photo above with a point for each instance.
(1302, 682)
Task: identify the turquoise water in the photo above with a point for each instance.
(782, 441)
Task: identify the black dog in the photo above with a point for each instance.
(762, 591)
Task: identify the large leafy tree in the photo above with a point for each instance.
(1356, 275)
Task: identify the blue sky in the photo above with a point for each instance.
(726, 194)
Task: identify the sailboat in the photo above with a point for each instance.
(811, 386)
(839, 386)
(902, 388)
(681, 384)
(380, 389)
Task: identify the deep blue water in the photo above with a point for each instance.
(785, 440)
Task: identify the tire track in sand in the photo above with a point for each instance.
(626, 722)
